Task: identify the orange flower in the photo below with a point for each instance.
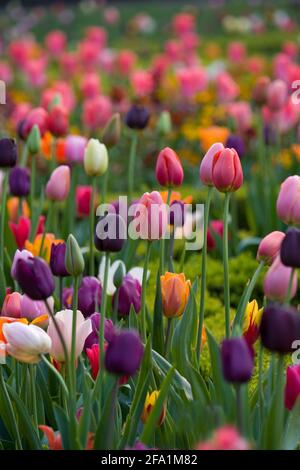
(176, 196)
(46, 147)
(210, 135)
(13, 209)
(149, 404)
(35, 247)
(175, 291)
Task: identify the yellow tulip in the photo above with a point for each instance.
(149, 404)
(252, 321)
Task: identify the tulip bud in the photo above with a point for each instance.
(35, 278)
(269, 247)
(74, 259)
(57, 259)
(34, 140)
(292, 386)
(277, 95)
(290, 248)
(148, 406)
(12, 305)
(150, 216)
(110, 233)
(164, 123)
(74, 148)
(237, 360)
(279, 328)
(288, 201)
(119, 275)
(8, 152)
(124, 353)
(227, 173)
(89, 295)
(277, 280)
(19, 181)
(129, 295)
(93, 338)
(206, 165)
(169, 171)
(137, 117)
(58, 186)
(175, 290)
(58, 121)
(112, 131)
(36, 116)
(95, 158)
(252, 322)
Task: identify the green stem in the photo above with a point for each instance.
(203, 271)
(168, 337)
(162, 241)
(32, 183)
(74, 328)
(260, 384)
(131, 166)
(24, 156)
(226, 266)
(103, 311)
(10, 410)
(143, 298)
(61, 288)
(47, 225)
(111, 416)
(104, 186)
(92, 223)
(2, 222)
(33, 394)
(57, 374)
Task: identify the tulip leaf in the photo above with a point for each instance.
(63, 425)
(158, 325)
(292, 431)
(100, 441)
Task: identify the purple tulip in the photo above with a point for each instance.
(93, 338)
(8, 152)
(89, 295)
(35, 278)
(177, 214)
(57, 259)
(236, 142)
(110, 233)
(279, 328)
(19, 181)
(124, 353)
(137, 117)
(129, 294)
(290, 248)
(237, 360)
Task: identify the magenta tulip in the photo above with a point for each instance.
(288, 201)
(169, 171)
(58, 186)
(269, 247)
(227, 173)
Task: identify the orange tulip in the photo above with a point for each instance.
(35, 247)
(13, 208)
(175, 291)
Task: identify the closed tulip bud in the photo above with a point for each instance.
(19, 181)
(74, 259)
(252, 322)
(58, 186)
(288, 201)
(93, 338)
(137, 117)
(169, 171)
(26, 343)
(277, 94)
(292, 386)
(279, 328)
(112, 131)
(164, 123)
(8, 152)
(269, 247)
(58, 121)
(124, 353)
(237, 360)
(31, 309)
(290, 248)
(110, 233)
(74, 148)
(34, 140)
(57, 259)
(95, 158)
(35, 278)
(277, 280)
(150, 401)
(128, 296)
(89, 295)
(177, 214)
(119, 275)
(175, 290)
(12, 305)
(19, 254)
(206, 165)
(227, 173)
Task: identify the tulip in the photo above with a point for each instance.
(150, 401)
(58, 186)
(206, 166)
(42, 244)
(74, 260)
(177, 214)
(19, 254)
(279, 328)
(169, 171)
(89, 295)
(74, 148)
(288, 201)
(83, 200)
(292, 386)
(225, 438)
(277, 94)
(175, 290)
(93, 338)
(112, 131)
(64, 319)
(95, 158)
(215, 229)
(227, 173)
(93, 357)
(128, 296)
(237, 360)
(260, 90)
(118, 265)
(8, 152)
(137, 117)
(252, 322)
(20, 231)
(58, 121)
(150, 217)
(110, 233)
(124, 353)
(34, 140)
(19, 181)
(277, 282)
(35, 278)
(26, 343)
(33, 309)
(12, 305)
(269, 247)
(36, 116)
(237, 143)
(164, 123)
(290, 248)
(96, 112)
(57, 260)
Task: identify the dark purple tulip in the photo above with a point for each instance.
(35, 278)
(237, 360)
(8, 152)
(177, 215)
(93, 338)
(279, 328)
(89, 295)
(110, 233)
(236, 142)
(290, 248)
(137, 117)
(57, 259)
(124, 353)
(19, 181)
(129, 294)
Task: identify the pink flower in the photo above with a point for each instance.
(236, 52)
(58, 120)
(90, 85)
(276, 282)
(20, 231)
(225, 438)
(56, 42)
(269, 247)
(83, 200)
(5, 73)
(206, 165)
(292, 386)
(242, 115)
(74, 148)
(65, 92)
(12, 305)
(227, 88)
(68, 63)
(215, 229)
(35, 72)
(97, 36)
(169, 171)
(150, 216)
(125, 62)
(183, 23)
(58, 186)
(192, 80)
(36, 116)
(142, 82)
(88, 55)
(96, 112)
(111, 15)
(32, 309)
(227, 173)
(277, 94)
(290, 49)
(288, 200)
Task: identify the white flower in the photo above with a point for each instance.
(136, 273)
(26, 342)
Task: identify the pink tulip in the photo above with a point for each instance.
(169, 171)
(206, 165)
(227, 88)
(58, 186)
(62, 89)
(288, 200)
(237, 52)
(55, 42)
(6, 73)
(111, 15)
(192, 80)
(142, 82)
(12, 305)
(68, 63)
(150, 216)
(241, 113)
(277, 94)
(225, 438)
(90, 85)
(97, 36)
(291, 49)
(227, 173)
(269, 247)
(64, 319)
(88, 55)
(292, 386)
(32, 309)
(183, 23)
(36, 116)
(74, 148)
(96, 112)
(276, 282)
(125, 62)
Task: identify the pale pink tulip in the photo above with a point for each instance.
(58, 186)
(206, 165)
(288, 201)
(276, 282)
(26, 343)
(269, 247)
(150, 216)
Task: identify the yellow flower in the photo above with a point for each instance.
(175, 291)
(252, 321)
(149, 404)
(35, 247)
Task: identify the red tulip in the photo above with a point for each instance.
(169, 171)
(83, 200)
(292, 386)
(227, 173)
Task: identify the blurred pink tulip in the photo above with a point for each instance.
(269, 247)
(150, 216)
(288, 200)
(277, 94)
(90, 85)
(276, 282)
(206, 165)
(32, 309)
(236, 52)
(96, 112)
(58, 186)
(142, 82)
(12, 305)
(56, 42)
(74, 148)
(192, 80)
(125, 62)
(241, 113)
(227, 88)
(225, 438)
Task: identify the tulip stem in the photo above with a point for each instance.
(162, 240)
(203, 272)
(57, 374)
(61, 289)
(10, 410)
(74, 328)
(226, 266)
(103, 312)
(168, 336)
(59, 333)
(33, 394)
(32, 182)
(104, 185)
(3, 212)
(289, 291)
(260, 384)
(131, 166)
(143, 299)
(92, 223)
(111, 417)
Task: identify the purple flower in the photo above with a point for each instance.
(8, 152)
(279, 328)
(89, 295)
(110, 233)
(129, 294)
(19, 181)
(35, 278)
(137, 117)
(124, 353)
(93, 338)
(290, 248)
(237, 360)
(236, 142)
(57, 259)
(177, 215)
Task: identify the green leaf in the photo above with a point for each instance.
(292, 430)
(63, 425)
(158, 325)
